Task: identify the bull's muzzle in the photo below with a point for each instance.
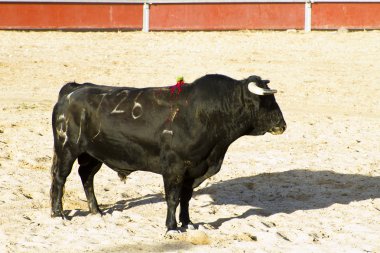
(277, 130)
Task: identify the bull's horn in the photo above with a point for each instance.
(252, 87)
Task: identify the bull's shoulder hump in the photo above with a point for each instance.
(214, 78)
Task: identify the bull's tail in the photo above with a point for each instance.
(59, 122)
(68, 88)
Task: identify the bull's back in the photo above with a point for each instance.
(125, 127)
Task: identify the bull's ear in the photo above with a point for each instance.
(253, 88)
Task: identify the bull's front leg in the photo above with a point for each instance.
(173, 171)
(173, 185)
(173, 174)
(186, 194)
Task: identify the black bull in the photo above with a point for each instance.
(182, 135)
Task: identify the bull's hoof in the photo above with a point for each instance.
(173, 234)
(55, 214)
(190, 226)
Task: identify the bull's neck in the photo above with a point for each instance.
(236, 119)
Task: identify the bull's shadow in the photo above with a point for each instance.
(280, 192)
(290, 191)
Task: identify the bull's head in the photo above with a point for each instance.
(267, 115)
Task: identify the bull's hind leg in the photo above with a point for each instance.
(89, 166)
(61, 168)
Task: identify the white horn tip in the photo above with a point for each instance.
(252, 87)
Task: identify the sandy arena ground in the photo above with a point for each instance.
(316, 188)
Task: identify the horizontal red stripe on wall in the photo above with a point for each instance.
(347, 15)
(70, 16)
(231, 16)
